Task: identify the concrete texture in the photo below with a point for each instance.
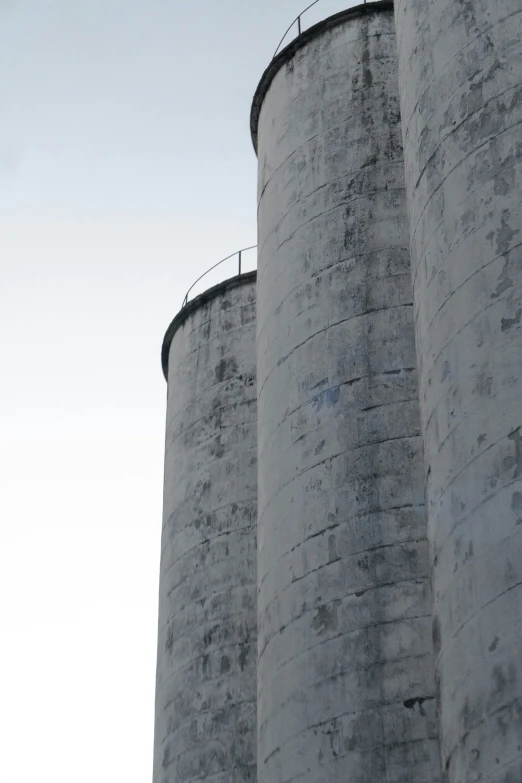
(206, 676)
(345, 670)
(461, 94)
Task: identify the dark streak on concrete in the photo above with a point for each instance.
(508, 323)
(516, 460)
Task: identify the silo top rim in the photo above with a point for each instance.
(298, 43)
(194, 304)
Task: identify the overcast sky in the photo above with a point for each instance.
(126, 169)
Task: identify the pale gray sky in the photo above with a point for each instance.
(126, 169)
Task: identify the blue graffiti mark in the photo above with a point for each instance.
(328, 398)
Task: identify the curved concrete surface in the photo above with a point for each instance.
(461, 92)
(194, 304)
(345, 670)
(206, 676)
(289, 52)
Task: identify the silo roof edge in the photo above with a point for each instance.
(298, 43)
(194, 304)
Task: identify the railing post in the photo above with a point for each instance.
(239, 254)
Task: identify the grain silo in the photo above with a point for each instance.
(206, 675)
(460, 74)
(345, 670)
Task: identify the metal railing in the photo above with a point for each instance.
(298, 22)
(239, 254)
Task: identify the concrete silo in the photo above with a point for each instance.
(345, 670)
(206, 675)
(460, 74)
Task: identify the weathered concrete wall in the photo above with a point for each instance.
(461, 93)
(345, 670)
(206, 676)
